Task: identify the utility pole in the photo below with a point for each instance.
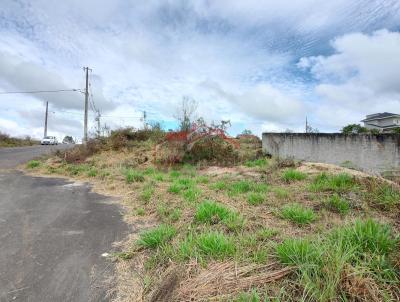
(98, 123)
(85, 121)
(144, 120)
(45, 119)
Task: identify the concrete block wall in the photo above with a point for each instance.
(371, 153)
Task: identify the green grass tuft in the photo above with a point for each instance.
(156, 237)
(298, 214)
(246, 186)
(385, 197)
(338, 204)
(147, 193)
(33, 164)
(261, 162)
(337, 183)
(255, 198)
(213, 212)
(92, 172)
(133, 176)
(281, 193)
(291, 175)
(191, 195)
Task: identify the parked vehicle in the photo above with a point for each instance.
(49, 140)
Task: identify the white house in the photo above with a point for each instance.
(384, 122)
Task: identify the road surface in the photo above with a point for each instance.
(52, 235)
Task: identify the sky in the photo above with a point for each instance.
(264, 65)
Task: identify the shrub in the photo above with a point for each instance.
(155, 237)
(33, 164)
(338, 204)
(133, 176)
(293, 175)
(298, 214)
(255, 198)
(337, 183)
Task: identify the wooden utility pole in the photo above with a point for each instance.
(45, 119)
(85, 121)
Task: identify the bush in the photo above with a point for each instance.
(298, 214)
(155, 237)
(33, 164)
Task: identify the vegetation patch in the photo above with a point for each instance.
(337, 183)
(384, 196)
(133, 176)
(156, 237)
(293, 175)
(254, 198)
(261, 162)
(33, 164)
(338, 204)
(298, 214)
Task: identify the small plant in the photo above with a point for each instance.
(219, 185)
(338, 204)
(133, 176)
(291, 175)
(92, 172)
(174, 174)
(158, 176)
(255, 198)
(147, 193)
(252, 296)
(33, 164)
(298, 252)
(209, 244)
(385, 196)
(265, 233)
(246, 186)
(202, 179)
(261, 162)
(337, 183)
(191, 195)
(156, 237)
(140, 211)
(298, 214)
(281, 193)
(213, 212)
(168, 214)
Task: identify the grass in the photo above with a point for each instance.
(264, 234)
(147, 193)
(385, 197)
(291, 175)
(157, 236)
(219, 185)
(337, 183)
(251, 296)
(337, 204)
(261, 162)
(180, 185)
(92, 172)
(169, 214)
(322, 263)
(246, 186)
(281, 193)
(133, 176)
(33, 164)
(255, 198)
(191, 195)
(140, 211)
(298, 214)
(209, 245)
(212, 212)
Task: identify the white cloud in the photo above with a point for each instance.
(362, 76)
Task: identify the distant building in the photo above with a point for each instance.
(384, 122)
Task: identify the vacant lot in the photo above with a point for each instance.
(259, 229)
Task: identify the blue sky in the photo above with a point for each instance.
(264, 65)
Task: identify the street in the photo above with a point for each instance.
(53, 233)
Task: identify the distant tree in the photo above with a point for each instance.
(68, 140)
(396, 130)
(185, 113)
(374, 131)
(289, 130)
(247, 132)
(354, 129)
(310, 129)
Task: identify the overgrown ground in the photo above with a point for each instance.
(8, 141)
(260, 230)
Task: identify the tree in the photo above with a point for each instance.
(68, 140)
(186, 113)
(247, 132)
(396, 130)
(354, 129)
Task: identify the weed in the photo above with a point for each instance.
(213, 212)
(337, 204)
(147, 193)
(33, 164)
(337, 183)
(385, 196)
(298, 214)
(155, 237)
(265, 233)
(255, 198)
(140, 211)
(252, 296)
(210, 244)
(245, 186)
(202, 179)
(219, 185)
(158, 176)
(261, 162)
(180, 185)
(168, 214)
(133, 176)
(174, 174)
(293, 175)
(191, 195)
(92, 172)
(175, 188)
(281, 193)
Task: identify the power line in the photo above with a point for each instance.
(41, 91)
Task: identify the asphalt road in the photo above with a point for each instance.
(52, 236)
